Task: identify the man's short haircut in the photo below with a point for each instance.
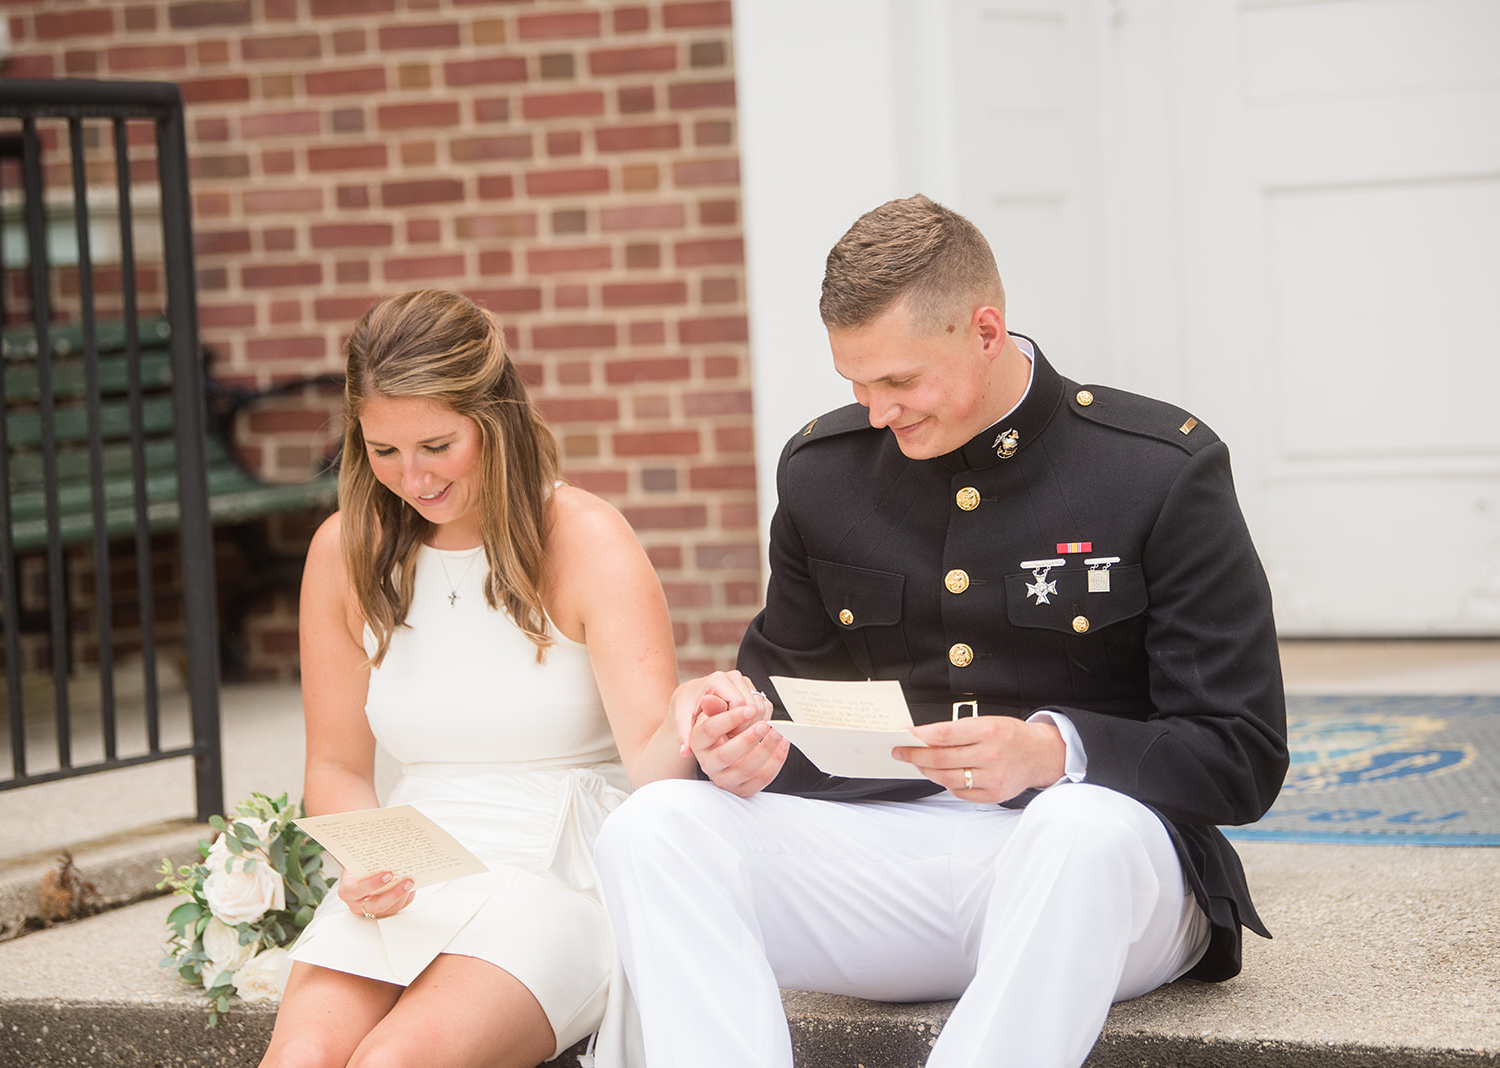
(914, 250)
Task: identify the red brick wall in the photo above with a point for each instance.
(570, 164)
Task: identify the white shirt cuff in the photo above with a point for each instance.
(1076, 762)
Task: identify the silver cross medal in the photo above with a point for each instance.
(1041, 588)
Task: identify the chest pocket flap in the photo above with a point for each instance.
(1072, 601)
(856, 597)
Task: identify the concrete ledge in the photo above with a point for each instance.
(827, 1032)
(1383, 957)
(56, 1034)
(833, 1032)
(44, 1034)
(123, 868)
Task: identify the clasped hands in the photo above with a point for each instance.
(725, 722)
(377, 896)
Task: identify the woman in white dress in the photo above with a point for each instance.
(504, 637)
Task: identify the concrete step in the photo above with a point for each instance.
(1385, 956)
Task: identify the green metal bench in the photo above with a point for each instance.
(136, 453)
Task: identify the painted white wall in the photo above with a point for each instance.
(817, 137)
(863, 103)
(834, 119)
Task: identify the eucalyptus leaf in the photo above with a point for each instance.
(182, 915)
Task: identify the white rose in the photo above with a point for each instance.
(225, 954)
(238, 896)
(264, 977)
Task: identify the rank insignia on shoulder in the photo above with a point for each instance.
(809, 427)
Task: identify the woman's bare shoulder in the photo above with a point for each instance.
(325, 553)
(329, 531)
(592, 555)
(326, 584)
(579, 518)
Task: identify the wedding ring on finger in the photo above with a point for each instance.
(366, 910)
(968, 778)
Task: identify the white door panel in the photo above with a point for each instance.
(1286, 216)
(1282, 214)
(1370, 131)
(1027, 164)
(1372, 289)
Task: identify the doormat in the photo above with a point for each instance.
(1388, 770)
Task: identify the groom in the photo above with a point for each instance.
(1070, 559)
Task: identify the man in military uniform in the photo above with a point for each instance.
(1068, 562)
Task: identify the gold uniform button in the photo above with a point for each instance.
(960, 655)
(968, 498)
(956, 580)
(1085, 398)
(846, 617)
(1081, 624)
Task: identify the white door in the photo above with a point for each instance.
(1284, 215)
(1281, 214)
(1342, 271)
(1027, 165)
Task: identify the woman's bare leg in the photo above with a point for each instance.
(461, 1012)
(324, 1016)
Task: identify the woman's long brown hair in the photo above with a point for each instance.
(440, 346)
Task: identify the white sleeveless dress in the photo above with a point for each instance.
(516, 760)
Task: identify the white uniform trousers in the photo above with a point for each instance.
(1036, 920)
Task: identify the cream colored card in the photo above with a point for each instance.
(848, 728)
(869, 705)
(398, 839)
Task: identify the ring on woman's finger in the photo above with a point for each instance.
(758, 693)
(366, 910)
(968, 778)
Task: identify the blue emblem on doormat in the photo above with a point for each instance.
(1331, 751)
(1413, 770)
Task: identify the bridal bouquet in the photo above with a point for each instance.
(249, 897)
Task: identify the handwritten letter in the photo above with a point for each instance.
(399, 840)
(868, 706)
(848, 728)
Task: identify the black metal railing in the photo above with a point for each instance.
(95, 125)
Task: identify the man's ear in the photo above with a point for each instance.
(990, 325)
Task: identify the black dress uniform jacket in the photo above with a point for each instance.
(883, 567)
